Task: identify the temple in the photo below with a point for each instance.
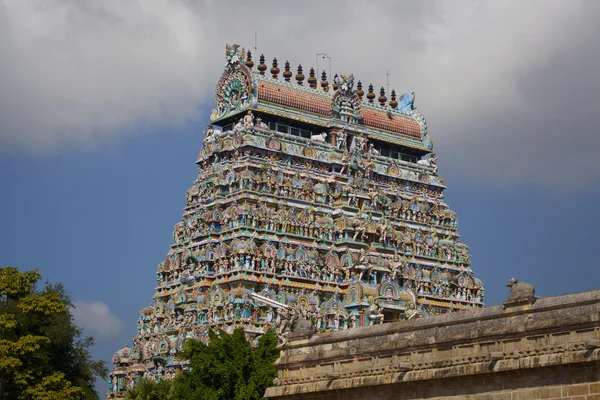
(311, 195)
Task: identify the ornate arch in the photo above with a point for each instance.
(236, 90)
(332, 259)
(301, 254)
(345, 103)
(269, 250)
(354, 293)
(389, 290)
(346, 260)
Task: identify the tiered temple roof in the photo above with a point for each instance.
(307, 198)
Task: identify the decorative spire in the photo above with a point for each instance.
(312, 81)
(299, 75)
(371, 95)
(335, 86)
(359, 90)
(324, 83)
(249, 63)
(262, 67)
(394, 103)
(382, 99)
(287, 74)
(274, 69)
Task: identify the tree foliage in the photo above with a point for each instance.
(150, 390)
(43, 355)
(228, 367)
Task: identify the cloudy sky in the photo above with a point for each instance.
(102, 104)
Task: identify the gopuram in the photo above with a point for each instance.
(312, 198)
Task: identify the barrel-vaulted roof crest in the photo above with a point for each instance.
(240, 88)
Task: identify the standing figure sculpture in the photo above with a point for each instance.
(248, 121)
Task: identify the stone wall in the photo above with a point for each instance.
(548, 348)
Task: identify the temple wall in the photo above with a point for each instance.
(546, 350)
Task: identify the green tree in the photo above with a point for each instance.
(150, 390)
(43, 355)
(228, 367)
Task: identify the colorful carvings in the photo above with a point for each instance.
(323, 223)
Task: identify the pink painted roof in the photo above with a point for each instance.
(299, 99)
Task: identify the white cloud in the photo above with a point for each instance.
(97, 319)
(508, 88)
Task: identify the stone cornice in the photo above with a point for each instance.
(554, 331)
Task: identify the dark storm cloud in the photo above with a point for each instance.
(509, 89)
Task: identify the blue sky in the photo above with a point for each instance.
(102, 105)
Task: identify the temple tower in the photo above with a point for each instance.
(310, 197)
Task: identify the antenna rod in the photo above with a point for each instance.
(324, 56)
(387, 80)
(255, 53)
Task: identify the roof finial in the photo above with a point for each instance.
(262, 67)
(359, 90)
(312, 81)
(274, 69)
(299, 75)
(335, 85)
(371, 95)
(249, 63)
(324, 83)
(394, 103)
(382, 99)
(287, 74)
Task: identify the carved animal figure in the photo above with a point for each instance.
(373, 150)
(260, 124)
(319, 138)
(428, 162)
(303, 326)
(520, 291)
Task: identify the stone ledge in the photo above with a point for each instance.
(556, 332)
(459, 317)
(308, 351)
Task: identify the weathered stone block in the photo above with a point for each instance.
(578, 390)
(548, 393)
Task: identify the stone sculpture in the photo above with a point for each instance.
(520, 291)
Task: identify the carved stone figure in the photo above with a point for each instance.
(319, 137)
(248, 121)
(375, 314)
(260, 124)
(238, 127)
(520, 291)
(373, 150)
(430, 162)
(234, 54)
(341, 139)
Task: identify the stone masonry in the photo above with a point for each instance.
(546, 348)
